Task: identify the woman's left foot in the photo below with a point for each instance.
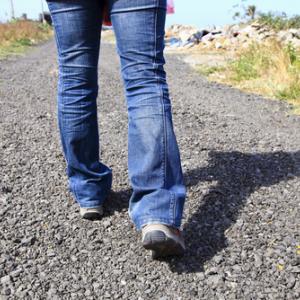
(163, 240)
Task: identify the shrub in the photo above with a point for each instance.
(16, 35)
(268, 68)
(279, 21)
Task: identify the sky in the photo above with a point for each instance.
(193, 12)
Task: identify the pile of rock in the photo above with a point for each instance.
(227, 37)
(184, 36)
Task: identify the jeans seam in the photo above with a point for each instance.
(60, 91)
(150, 220)
(172, 207)
(160, 97)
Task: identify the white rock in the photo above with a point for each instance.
(248, 31)
(284, 35)
(208, 38)
(295, 32)
(218, 45)
(295, 42)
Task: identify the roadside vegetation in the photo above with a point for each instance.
(269, 68)
(280, 21)
(17, 35)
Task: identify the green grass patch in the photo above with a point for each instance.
(16, 47)
(17, 36)
(290, 92)
(249, 63)
(209, 70)
(268, 68)
(279, 21)
(243, 69)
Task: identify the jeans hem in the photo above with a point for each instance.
(92, 204)
(95, 206)
(146, 221)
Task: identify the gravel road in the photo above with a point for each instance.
(241, 160)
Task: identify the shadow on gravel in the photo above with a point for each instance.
(238, 175)
(117, 201)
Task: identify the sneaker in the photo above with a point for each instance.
(163, 240)
(91, 213)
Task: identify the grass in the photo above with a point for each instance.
(209, 70)
(279, 21)
(270, 69)
(16, 36)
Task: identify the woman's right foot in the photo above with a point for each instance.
(91, 213)
(163, 240)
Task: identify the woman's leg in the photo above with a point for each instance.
(153, 155)
(77, 25)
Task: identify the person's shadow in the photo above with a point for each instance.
(237, 175)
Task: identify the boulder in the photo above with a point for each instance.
(284, 36)
(248, 31)
(218, 45)
(257, 25)
(208, 38)
(295, 42)
(295, 32)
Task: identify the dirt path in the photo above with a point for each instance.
(241, 159)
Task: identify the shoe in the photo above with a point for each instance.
(91, 213)
(163, 240)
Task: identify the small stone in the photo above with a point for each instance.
(215, 280)
(291, 281)
(28, 241)
(218, 259)
(123, 282)
(51, 253)
(257, 261)
(211, 271)
(5, 279)
(52, 293)
(106, 224)
(200, 276)
(16, 272)
(73, 258)
(295, 269)
(3, 199)
(7, 292)
(218, 45)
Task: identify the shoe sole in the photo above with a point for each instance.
(91, 216)
(161, 245)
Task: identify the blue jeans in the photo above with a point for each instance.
(153, 157)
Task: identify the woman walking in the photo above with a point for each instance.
(157, 201)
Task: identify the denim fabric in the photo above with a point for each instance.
(117, 6)
(153, 156)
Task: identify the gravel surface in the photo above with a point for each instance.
(241, 160)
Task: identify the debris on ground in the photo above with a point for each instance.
(227, 37)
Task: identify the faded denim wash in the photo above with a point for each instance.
(153, 156)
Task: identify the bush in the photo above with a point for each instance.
(250, 62)
(268, 68)
(17, 35)
(279, 21)
(19, 30)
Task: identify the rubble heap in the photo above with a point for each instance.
(227, 37)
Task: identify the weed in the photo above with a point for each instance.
(268, 68)
(279, 21)
(17, 35)
(209, 70)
